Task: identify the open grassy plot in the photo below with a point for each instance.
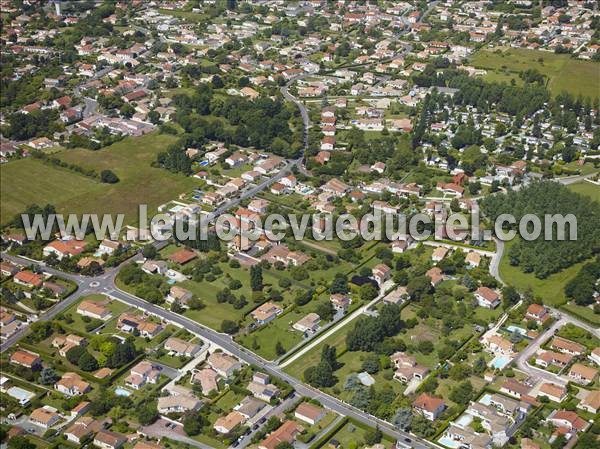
(564, 73)
(129, 159)
(551, 289)
(263, 340)
(52, 185)
(586, 189)
(352, 435)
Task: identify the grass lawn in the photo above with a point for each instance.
(52, 185)
(78, 323)
(352, 435)
(229, 400)
(263, 340)
(551, 289)
(504, 64)
(586, 189)
(130, 159)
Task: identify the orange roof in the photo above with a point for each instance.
(24, 358)
(428, 403)
(182, 256)
(29, 277)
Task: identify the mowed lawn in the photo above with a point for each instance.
(586, 189)
(564, 73)
(29, 181)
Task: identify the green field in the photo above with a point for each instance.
(586, 189)
(551, 289)
(29, 181)
(564, 73)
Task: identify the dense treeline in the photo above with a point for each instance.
(370, 332)
(582, 287)
(539, 256)
(35, 124)
(262, 123)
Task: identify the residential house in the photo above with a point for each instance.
(582, 374)
(439, 253)
(207, 378)
(131, 323)
(107, 439)
(554, 392)
(180, 347)
(286, 433)
(567, 421)
(224, 364)
(226, 424)
(486, 297)
(65, 248)
(266, 313)
(94, 309)
(591, 402)
(71, 384)
(27, 359)
(250, 407)
(340, 302)
(429, 406)
(567, 346)
(310, 323)
(407, 368)
(45, 417)
(28, 279)
(262, 389)
(381, 273)
(178, 404)
(546, 358)
(309, 413)
(537, 313)
(179, 295)
(141, 374)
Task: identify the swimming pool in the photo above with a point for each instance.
(120, 391)
(513, 329)
(203, 163)
(486, 399)
(171, 281)
(448, 442)
(500, 362)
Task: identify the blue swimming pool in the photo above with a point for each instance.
(501, 361)
(449, 442)
(204, 163)
(120, 391)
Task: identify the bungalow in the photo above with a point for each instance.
(381, 273)
(537, 313)
(547, 358)
(226, 424)
(28, 279)
(107, 439)
(108, 246)
(80, 430)
(262, 389)
(236, 159)
(309, 413)
(498, 345)
(182, 256)
(44, 417)
(71, 384)
(450, 189)
(567, 346)
(515, 388)
(8, 269)
(94, 309)
(429, 406)
(407, 368)
(582, 374)
(487, 298)
(65, 248)
(340, 302)
(286, 433)
(384, 207)
(178, 295)
(595, 356)
(591, 402)
(178, 404)
(27, 359)
(207, 378)
(310, 323)
(141, 374)
(473, 259)
(554, 392)
(328, 143)
(266, 312)
(224, 364)
(131, 323)
(439, 253)
(250, 407)
(335, 187)
(181, 347)
(258, 206)
(435, 275)
(567, 420)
